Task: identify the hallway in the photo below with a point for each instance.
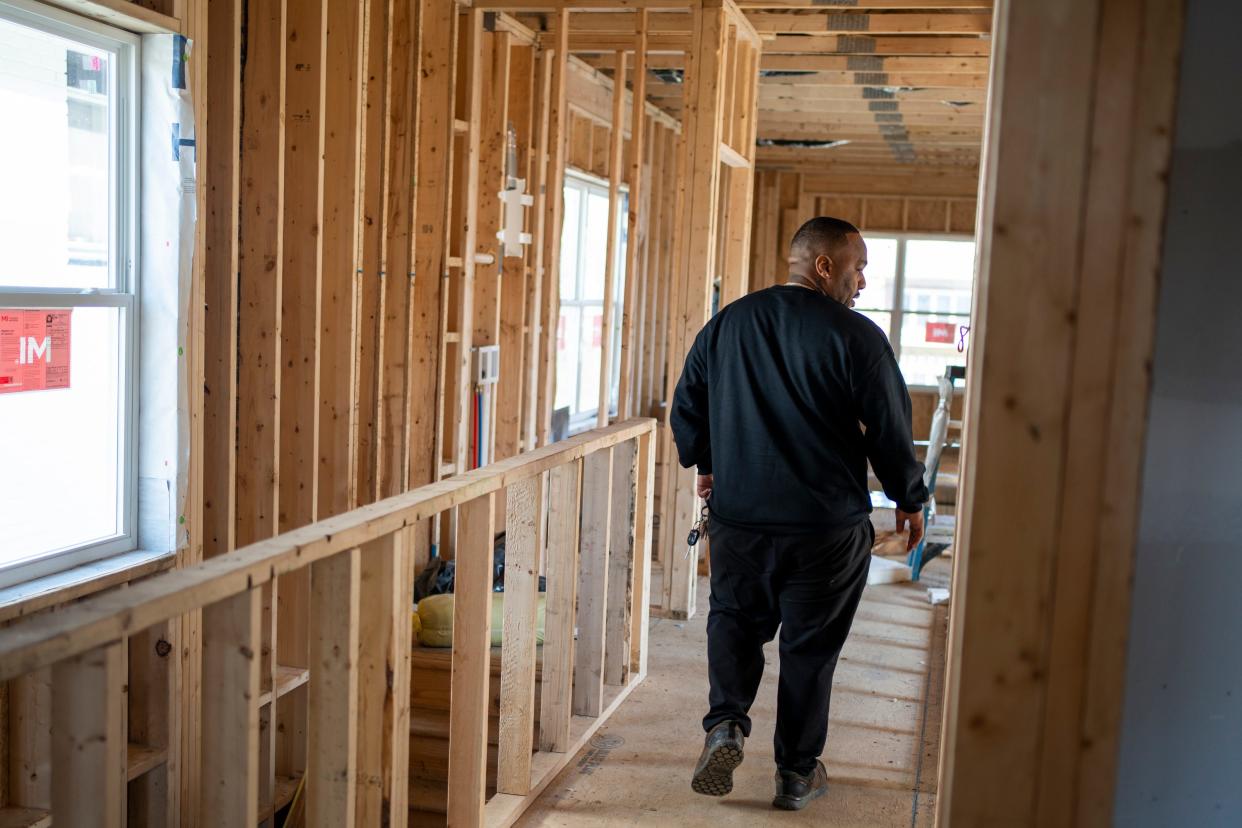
(883, 742)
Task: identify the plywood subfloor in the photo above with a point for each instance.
(883, 739)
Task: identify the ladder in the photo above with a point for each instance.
(938, 529)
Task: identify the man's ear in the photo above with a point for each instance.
(823, 265)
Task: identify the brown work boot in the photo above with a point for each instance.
(794, 791)
(722, 753)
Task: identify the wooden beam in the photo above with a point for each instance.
(814, 124)
(644, 511)
(895, 45)
(584, 42)
(948, 82)
(1085, 93)
(42, 640)
(615, 162)
(495, 75)
(628, 24)
(338, 330)
(656, 278)
(666, 261)
(621, 562)
(821, 99)
(223, 133)
(554, 208)
(738, 184)
(260, 292)
(817, 86)
(260, 263)
(470, 56)
(665, 60)
(564, 499)
(305, 87)
(694, 268)
(302, 275)
(401, 331)
(524, 514)
(131, 17)
(385, 597)
(29, 734)
(863, 66)
(472, 649)
(88, 738)
(231, 641)
(515, 271)
(511, 389)
(915, 180)
(374, 138)
(184, 767)
(331, 788)
(588, 691)
(633, 252)
(645, 237)
(601, 146)
(537, 323)
(493, 145)
(855, 23)
(434, 176)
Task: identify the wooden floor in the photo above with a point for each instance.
(883, 740)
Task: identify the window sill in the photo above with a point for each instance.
(27, 598)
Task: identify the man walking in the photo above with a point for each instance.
(785, 397)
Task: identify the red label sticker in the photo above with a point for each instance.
(34, 349)
(940, 332)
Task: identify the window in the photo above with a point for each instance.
(579, 337)
(933, 278)
(68, 351)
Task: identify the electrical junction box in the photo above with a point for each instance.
(486, 364)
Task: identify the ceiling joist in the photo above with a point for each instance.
(870, 24)
(884, 45)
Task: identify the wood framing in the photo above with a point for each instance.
(719, 97)
(554, 208)
(434, 176)
(405, 304)
(630, 308)
(358, 627)
(374, 195)
(344, 67)
(220, 407)
(260, 261)
(616, 145)
(1038, 634)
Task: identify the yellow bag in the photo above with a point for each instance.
(433, 620)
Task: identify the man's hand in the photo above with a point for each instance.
(704, 486)
(915, 519)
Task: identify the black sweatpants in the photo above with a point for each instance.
(808, 586)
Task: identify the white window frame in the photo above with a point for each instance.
(897, 311)
(585, 420)
(124, 195)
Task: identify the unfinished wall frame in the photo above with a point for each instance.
(356, 772)
(719, 111)
(1041, 617)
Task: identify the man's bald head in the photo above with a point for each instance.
(828, 255)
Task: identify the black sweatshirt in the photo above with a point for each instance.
(785, 396)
